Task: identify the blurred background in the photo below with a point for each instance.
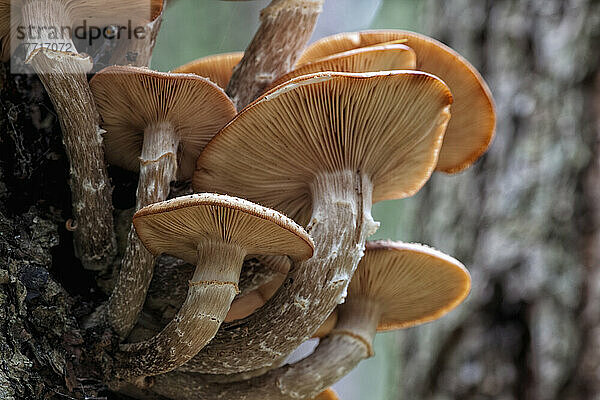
(524, 219)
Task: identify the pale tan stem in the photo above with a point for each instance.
(64, 77)
(211, 291)
(340, 224)
(336, 355)
(158, 167)
(285, 28)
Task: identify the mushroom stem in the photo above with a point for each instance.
(336, 355)
(212, 289)
(138, 52)
(340, 224)
(64, 77)
(285, 28)
(158, 167)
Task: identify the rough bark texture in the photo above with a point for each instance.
(286, 27)
(524, 219)
(40, 340)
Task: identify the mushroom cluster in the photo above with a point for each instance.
(286, 150)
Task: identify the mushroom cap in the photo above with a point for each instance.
(371, 59)
(473, 122)
(412, 283)
(327, 394)
(218, 68)
(102, 12)
(177, 226)
(130, 99)
(387, 125)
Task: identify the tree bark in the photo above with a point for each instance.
(525, 219)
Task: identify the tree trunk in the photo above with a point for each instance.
(525, 219)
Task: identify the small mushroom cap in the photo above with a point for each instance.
(412, 283)
(177, 226)
(130, 99)
(371, 59)
(218, 68)
(388, 125)
(327, 394)
(473, 122)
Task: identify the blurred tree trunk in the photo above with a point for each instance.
(525, 219)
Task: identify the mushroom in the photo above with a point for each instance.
(285, 27)
(471, 129)
(62, 70)
(218, 68)
(327, 394)
(386, 57)
(320, 149)
(156, 123)
(396, 285)
(214, 232)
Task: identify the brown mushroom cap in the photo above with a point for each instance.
(371, 59)
(411, 283)
(177, 226)
(218, 68)
(327, 394)
(130, 99)
(388, 125)
(102, 12)
(473, 122)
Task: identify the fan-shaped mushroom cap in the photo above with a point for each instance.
(327, 394)
(177, 226)
(473, 122)
(371, 59)
(218, 68)
(387, 125)
(130, 99)
(411, 283)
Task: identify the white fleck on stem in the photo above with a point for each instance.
(158, 167)
(212, 289)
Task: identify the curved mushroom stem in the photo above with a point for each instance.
(285, 28)
(64, 77)
(340, 224)
(211, 291)
(158, 167)
(336, 355)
